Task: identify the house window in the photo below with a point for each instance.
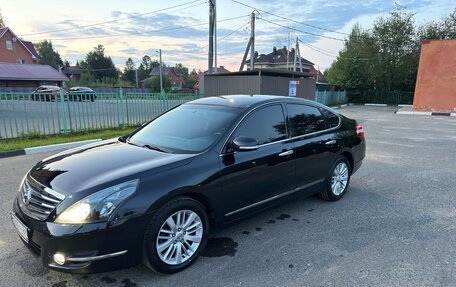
(20, 61)
(9, 44)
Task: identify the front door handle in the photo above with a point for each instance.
(331, 142)
(286, 153)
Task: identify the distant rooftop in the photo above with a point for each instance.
(29, 72)
(278, 57)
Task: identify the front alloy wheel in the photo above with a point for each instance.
(179, 237)
(176, 235)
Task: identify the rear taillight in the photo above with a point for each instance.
(359, 131)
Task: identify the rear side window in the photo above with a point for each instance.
(266, 125)
(332, 120)
(305, 119)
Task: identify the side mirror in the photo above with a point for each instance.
(244, 143)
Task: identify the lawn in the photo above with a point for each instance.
(33, 141)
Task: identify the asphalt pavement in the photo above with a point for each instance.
(395, 227)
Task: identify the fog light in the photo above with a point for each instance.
(59, 258)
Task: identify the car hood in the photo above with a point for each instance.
(102, 163)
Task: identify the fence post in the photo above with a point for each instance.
(122, 109)
(62, 100)
(325, 100)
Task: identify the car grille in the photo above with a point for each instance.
(39, 201)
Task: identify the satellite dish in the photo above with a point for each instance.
(14, 39)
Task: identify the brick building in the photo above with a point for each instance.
(15, 50)
(175, 78)
(436, 81)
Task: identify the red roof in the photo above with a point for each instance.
(29, 45)
(29, 72)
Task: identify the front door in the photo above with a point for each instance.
(251, 179)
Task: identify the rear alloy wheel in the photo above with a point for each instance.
(175, 236)
(337, 183)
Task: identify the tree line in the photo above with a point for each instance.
(384, 59)
(98, 69)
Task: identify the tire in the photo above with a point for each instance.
(335, 191)
(157, 260)
(92, 98)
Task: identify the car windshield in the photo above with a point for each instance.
(189, 128)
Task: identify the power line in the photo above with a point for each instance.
(226, 36)
(145, 33)
(301, 31)
(289, 19)
(324, 52)
(113, 21)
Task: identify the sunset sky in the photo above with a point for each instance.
(185, 37)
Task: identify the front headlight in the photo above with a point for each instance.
(98, 206)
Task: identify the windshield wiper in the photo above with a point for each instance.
(153, 147)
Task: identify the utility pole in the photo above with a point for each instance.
(250, 45)
(161, 74)
(252, 36)
(215, 36)
(297, 57)
(211, 36)
(136, 73)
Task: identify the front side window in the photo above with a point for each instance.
(190, 128)
(305, 119)
(266, 125)
(9, 44)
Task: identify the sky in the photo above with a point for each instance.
(180, 29)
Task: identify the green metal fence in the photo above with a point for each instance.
(25, 114)
(331, 98)
(381, 97)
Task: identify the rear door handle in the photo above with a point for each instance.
(331, 142)
(286, 153)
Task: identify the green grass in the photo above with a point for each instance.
(34, 140)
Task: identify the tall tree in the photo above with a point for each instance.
(99, 65)
(439, 30)
(395, 38)
(129, 73)
(147, 64)
(381, 60)
(2, 22)
(181, 69)
(48, 56)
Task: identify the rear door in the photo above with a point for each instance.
(315, 146)
(251, 179)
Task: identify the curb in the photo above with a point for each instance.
(46, 148)
(342, 106)
(414, 113)
(376, 105)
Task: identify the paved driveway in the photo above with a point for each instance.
(396, 226)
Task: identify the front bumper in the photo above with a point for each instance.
(89, 248)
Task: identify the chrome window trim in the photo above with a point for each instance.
(286, 116)
(275, 197)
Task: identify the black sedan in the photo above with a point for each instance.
(82, 94)
(154, 195)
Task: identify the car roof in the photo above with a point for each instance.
(86, 88)
(245, 101)
(49, 87)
